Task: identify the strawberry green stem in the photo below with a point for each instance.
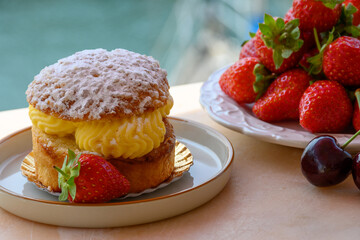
(350, 140)
(317, 40)
(357, 96)
(62, 172)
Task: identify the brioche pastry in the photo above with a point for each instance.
(111, 103)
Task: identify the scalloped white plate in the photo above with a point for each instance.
(212, 158)
(230, 114)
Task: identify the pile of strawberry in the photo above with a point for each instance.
(304, 67)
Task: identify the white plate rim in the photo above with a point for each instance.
(223, 138)
(219, 107)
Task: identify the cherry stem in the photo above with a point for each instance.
(350, 140)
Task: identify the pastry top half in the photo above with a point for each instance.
(112, 102)
(96, 84)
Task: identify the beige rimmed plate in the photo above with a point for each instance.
(212, 159)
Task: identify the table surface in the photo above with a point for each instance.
(266, 198)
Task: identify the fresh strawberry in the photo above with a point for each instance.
(88, 178)
(239, 79)
(356, 15)
(325, 107)
(341, 61)
(277, 44)
(248, 49)
(356, 114)
(281, 99)
(319, 14)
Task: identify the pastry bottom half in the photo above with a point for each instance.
(143, 173)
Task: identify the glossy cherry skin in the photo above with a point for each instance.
(324, 162)
(356, 170)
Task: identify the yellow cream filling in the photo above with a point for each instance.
(128, 138)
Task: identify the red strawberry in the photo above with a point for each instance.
(356, 15)
(237, 81)
(281, 99)
(356, 114)
(325, 107)
(88, 178)
(319, 14)
(278, 44)
(341, 61)
(248, 49)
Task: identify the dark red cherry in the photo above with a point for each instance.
(356, 170)
(324, 162)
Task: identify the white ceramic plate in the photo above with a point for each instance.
(213, 155)
(230, 114)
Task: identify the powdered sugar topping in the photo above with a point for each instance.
(94, 83)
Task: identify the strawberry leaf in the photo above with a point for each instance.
(286, 53)
(263, 78)
(64, 194)
(331, 3)
(280, 24)
(72, 157)
(354, 31)
(316, 61)
(266, 30)
(283, 38)
(278, 59)
(72, 187)
(345, 27)
(269, 21)
(295, 33)
(347, 13)
(67, 174)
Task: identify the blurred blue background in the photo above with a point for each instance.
(190, 38)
